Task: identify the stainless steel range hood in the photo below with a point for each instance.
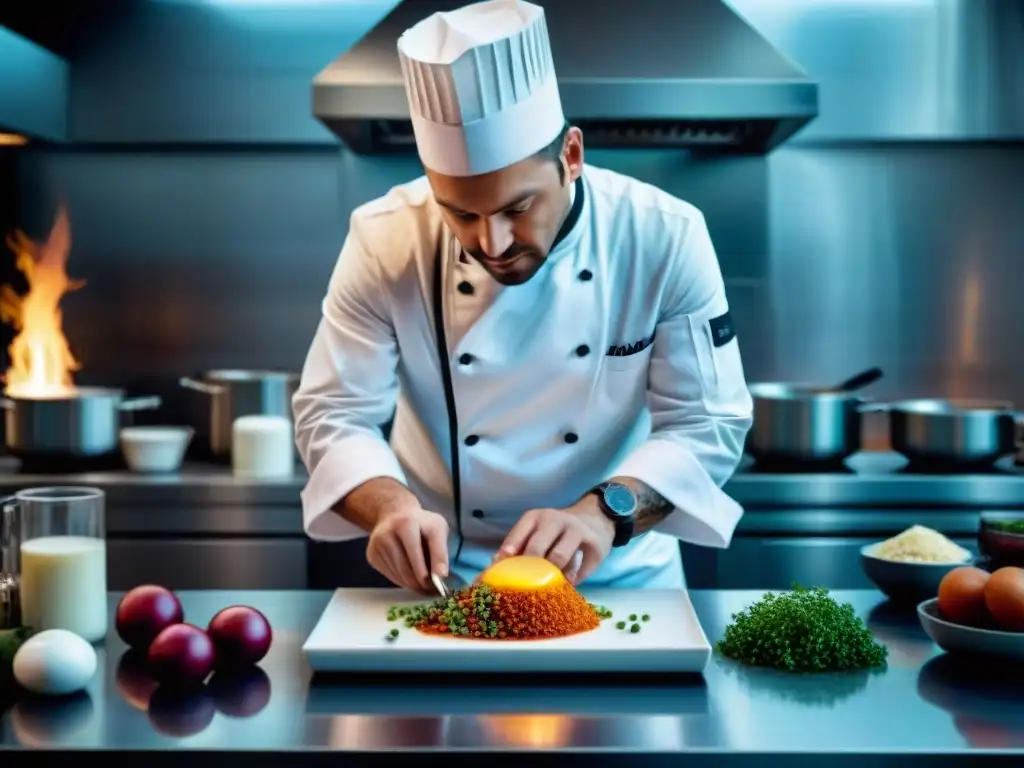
(645, 73)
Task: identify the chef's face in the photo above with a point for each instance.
(508, 219)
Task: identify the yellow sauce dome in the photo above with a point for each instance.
(523, 573)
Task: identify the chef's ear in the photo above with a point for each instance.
(572, 155)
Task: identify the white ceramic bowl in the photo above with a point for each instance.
(155, 449)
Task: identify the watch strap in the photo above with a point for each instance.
(624, 527)
(624, 524)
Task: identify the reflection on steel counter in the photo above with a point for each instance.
(983, 700)
(548, 732)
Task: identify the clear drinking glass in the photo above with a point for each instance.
(55, 538)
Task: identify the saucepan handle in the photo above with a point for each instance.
(140, 404)
(1018, 427)
(200, 386)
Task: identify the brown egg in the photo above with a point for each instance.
(1004, 598)
(962, 595)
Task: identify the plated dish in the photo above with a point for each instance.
(519, 598)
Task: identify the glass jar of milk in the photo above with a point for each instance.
(59, 544)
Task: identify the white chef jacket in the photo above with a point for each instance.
(544, 411)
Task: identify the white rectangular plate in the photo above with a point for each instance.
(352, 636)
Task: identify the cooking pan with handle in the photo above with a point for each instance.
(81, 424)
(957, 433)
(807, 423)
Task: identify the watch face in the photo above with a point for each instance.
(620, 500)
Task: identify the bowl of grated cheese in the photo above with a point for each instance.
(909, 566)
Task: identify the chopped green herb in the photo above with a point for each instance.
(394, 633)
(620, 625)
(635, 628)
(448, 612)
(804, 630)
(632, 617)
(645, 617)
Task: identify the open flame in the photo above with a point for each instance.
(41, 361)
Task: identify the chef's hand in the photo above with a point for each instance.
(558, 534)
(407, 545)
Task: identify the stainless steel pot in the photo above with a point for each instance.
(235, 393)
(83, 424)
(807, 424)
(955, 433)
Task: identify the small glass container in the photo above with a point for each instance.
(56, 538)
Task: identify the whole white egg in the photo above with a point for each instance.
(54, 662)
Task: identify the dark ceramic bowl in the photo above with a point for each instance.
(1001, 538)
(971, 641)
(908, 583)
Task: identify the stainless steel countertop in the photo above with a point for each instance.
(923, 704)
(872, 480)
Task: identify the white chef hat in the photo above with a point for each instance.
(481, 86)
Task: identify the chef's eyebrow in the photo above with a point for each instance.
(510, 204)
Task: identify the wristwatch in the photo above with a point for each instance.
(618, 503)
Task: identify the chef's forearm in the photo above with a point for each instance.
(366, 503)
(651, 506)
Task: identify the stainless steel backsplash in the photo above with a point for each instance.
(896, 241)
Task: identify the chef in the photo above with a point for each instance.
(553, 339)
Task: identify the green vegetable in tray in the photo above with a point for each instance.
(804, 630)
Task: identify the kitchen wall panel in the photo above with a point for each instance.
(206, 257)
(198, 71)
(856, 247)
(837, 258)
(909, 257)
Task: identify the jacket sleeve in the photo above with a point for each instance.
(700, 406)
(348, 388)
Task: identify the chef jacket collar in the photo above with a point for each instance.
(568, 232)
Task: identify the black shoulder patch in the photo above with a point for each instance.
(722, 329)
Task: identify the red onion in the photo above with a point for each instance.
(241, 635)
(181, 654)
(144, 612)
